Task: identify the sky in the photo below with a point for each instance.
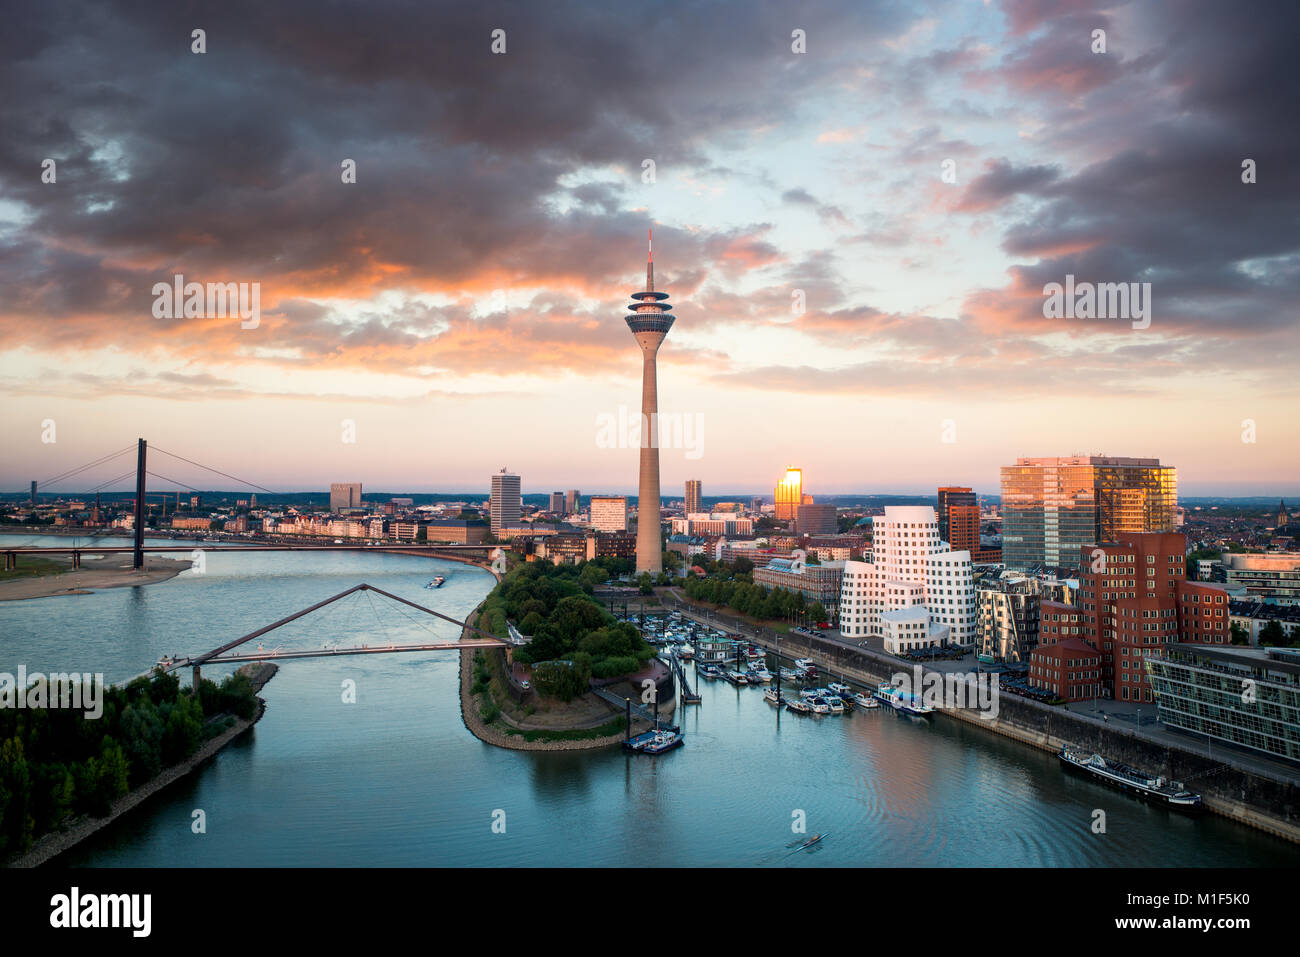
(856, 240)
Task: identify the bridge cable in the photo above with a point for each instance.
(71, 472)
(260, 488)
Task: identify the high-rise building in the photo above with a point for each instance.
(1052, 506)
(571, 501)
(915, 591)
(650, 321)
(789, 494)
(609, 513)
(694, 488)
(344, 495)
(756, 504)
(557, 503)
(951, 495)
(816, 520)
(504, 507)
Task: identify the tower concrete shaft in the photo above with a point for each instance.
(650, 321)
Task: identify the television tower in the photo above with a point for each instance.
(650, 321)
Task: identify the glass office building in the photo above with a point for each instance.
(1248, 697)
(1052, 506)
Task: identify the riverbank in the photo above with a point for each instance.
(1232, 791)
(50, 846)
(496, 736)
(111, 571)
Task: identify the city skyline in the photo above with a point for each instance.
(836, 294)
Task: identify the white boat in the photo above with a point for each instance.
(819, 706)
(903, 701)
(686, 652)
(865, 701)
(803, 663)
(839, 688)
(836, 705)
(772, 697)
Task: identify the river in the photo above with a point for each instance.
(396, 779)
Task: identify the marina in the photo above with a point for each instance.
(359, 779)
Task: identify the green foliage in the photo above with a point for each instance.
(56, 763)
(553, 605)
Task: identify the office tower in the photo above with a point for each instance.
(505, 502)
(571, 500)
(815, 520)
(649, 322)
(949, 496)
(963, 532)
(694, 488)
(1052, 506)
(789, 494)
(756, 504)
(345, 495)
(609, 513)
(915, 591)
(557, 503)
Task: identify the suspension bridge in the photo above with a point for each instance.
(138, 549)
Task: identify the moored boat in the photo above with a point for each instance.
(798, 707)
(903, 701)
(1157, 789)
(865, 701)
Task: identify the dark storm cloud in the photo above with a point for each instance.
(1163, 199)
(226, 165)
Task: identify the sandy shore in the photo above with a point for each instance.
(111, 571)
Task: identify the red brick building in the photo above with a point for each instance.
(1069, 668)
(1133, 600)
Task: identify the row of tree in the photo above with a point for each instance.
(741, 595)
(55, 763)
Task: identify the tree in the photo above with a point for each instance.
(1239, 635)
(646, 584)
(16, 823)
(1271, 633)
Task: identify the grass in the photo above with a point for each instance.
(613, 726)
(34, 567)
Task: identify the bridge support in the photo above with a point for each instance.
(198, 678)
(137, 559)
(627, 735)
(11, 561)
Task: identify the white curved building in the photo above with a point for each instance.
(916, 592)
